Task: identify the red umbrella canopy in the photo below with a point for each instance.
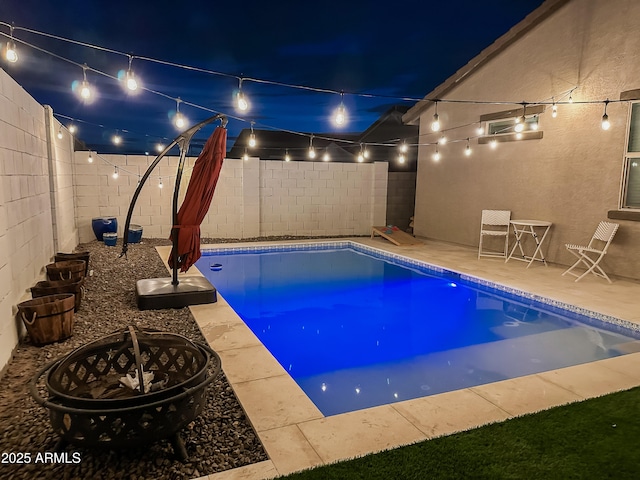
(197, 200)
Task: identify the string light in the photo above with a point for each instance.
(252, 137)
(72, 129)
(130, 82)
(403, 147)
(312, 151)
(493, 143)
(365, 152)
(159, 147)
(179, 120)
(535, 125)
(287, 157)
(242, 103)
(10, 53)
(326, 157)
(479, 129)
(85, 88)
(435, 125)
(443, 140)
(160, 185)
(245, 157)
(60, 133)
(467, 150)
(554, 109)
(401, 158)
(115, 173)
(90, 158)
(520, 121)
(116, 139)
(436, 155)
(340, 113)
(605, 118)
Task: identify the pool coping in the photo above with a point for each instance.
(297, 436)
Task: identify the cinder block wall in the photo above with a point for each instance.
(32, 202)
(252, 198)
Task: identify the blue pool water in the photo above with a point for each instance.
(356, 331)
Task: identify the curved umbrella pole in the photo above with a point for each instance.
(183, 140)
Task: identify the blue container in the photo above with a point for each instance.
(110, 239)
(102, 225)
(135, 234)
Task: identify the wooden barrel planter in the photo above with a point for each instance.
(61, 257)
(54, 287)
(48, 319)
(66, 270)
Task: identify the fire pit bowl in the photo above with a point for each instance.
(127, 389)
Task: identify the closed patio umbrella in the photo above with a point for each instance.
(197, 200)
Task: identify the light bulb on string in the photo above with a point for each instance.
(606, 124)
(252, 137)
(401, 158)
(159, 147)
(493, 143)
(467, 150)
(554, 109)
(326, 157)
(129, 81)
(90, 158)
(312, 151)
(179, 120)
(436, 155)
(72, 128)
(340, 113)
(245, 157)
(242, 103)
(443, 140)
(479, 129)
(287, 157)
(571, 96)
(60, 133)
(403, 147)
(435, 124)
(519, 136)
(10, 53)
(160, 185)
(534, 124)
(116, 139)
(521, 121)
(115, 173)
(83, 88)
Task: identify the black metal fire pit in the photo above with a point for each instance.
(127, 389)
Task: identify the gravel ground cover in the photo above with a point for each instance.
(219, 439)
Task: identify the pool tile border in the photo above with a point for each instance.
(583, 315)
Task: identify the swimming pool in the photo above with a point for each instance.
(357, 328)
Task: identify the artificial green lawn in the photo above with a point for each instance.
(595, 439)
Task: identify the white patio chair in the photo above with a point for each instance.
(495, 223)
(592, 254)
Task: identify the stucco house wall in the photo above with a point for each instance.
(571, 176)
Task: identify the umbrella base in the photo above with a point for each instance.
(159, 293)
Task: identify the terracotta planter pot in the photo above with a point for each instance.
(66, 270)
(54, 287)
(48, 319)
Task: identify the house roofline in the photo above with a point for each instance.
(502, 43)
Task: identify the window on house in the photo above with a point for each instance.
(503, 127)
(631, 186)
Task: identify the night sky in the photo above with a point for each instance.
(391, 50)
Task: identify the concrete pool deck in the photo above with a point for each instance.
(297, 436)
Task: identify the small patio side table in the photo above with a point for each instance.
(521, 227)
